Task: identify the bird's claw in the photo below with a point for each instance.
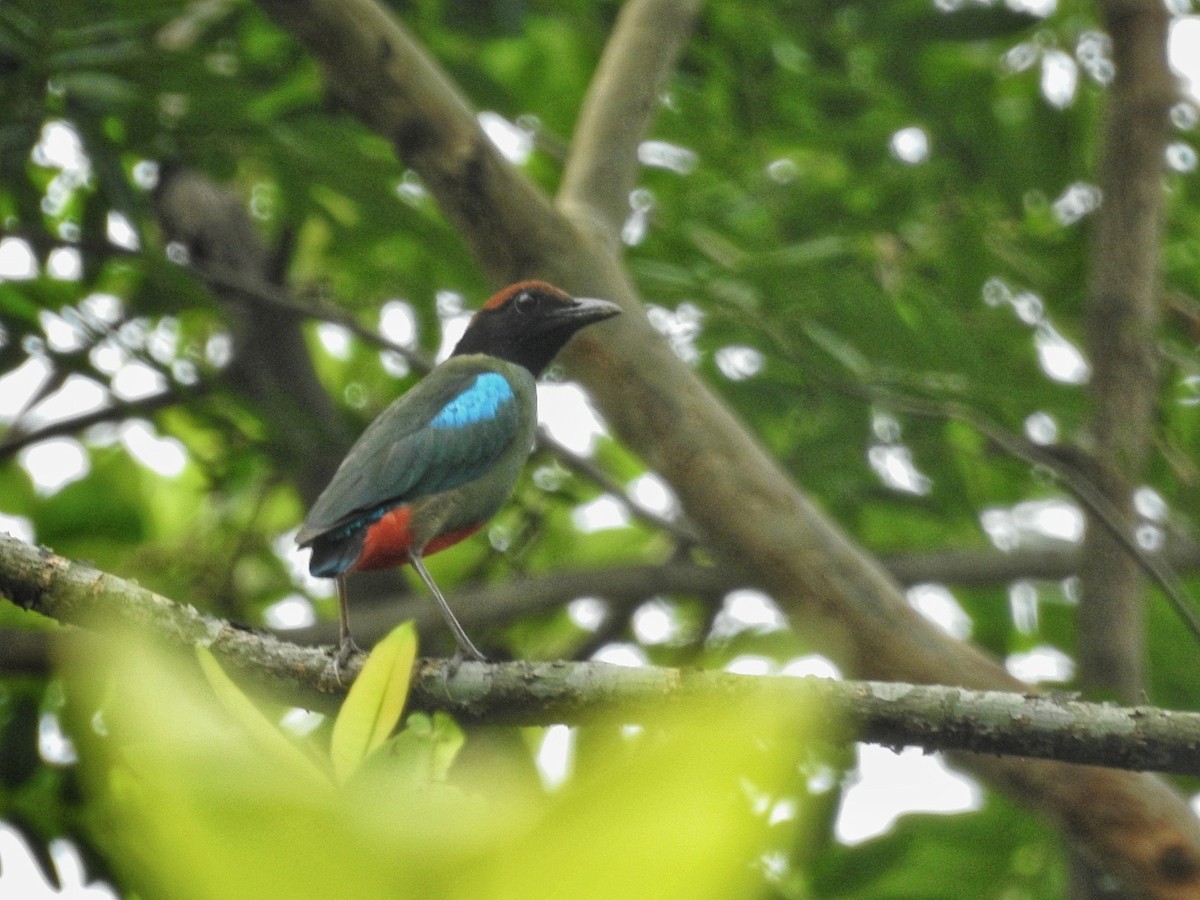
(346, 649)
(455, 662)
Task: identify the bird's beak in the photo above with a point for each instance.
(585, 310)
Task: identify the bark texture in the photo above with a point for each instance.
(1122, 325)
(889, 713)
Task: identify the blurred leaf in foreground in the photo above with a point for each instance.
(203, 797)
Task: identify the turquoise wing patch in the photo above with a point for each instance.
(480, 402)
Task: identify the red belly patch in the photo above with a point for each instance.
(388, 540)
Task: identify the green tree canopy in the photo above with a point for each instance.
(910, 296)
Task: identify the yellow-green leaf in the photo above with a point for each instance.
(426, 748)
(261, 730)
(375, 701)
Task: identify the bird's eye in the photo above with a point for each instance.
(524, 302)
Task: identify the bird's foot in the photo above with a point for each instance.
(454, 662)
(465, 651)
(467, 654)
(462, 655)
(341, 656)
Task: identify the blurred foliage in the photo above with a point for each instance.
(181, 781)
(792, 245)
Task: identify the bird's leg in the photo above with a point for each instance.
(346, 645)
(466, 650)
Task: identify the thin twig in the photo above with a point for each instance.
(16, 439)
(682, 531)
(1077, 483)
(255, 290)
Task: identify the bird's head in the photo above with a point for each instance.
(529, 322)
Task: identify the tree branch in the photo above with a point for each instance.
(621, 105)
(896, 715)
(237, 286)
(682, 531)
(271, 365)
(932, 717)
(625, 587)
(1121, 325)
(622, 587)
(16, 440)
(1069, 469)
(1122, 318)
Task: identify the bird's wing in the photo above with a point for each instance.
(443, 433)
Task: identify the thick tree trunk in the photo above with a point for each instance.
(1122, 324)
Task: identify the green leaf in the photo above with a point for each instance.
(666, 814)
(178, 785)
(375, 701)
(426, 748)
(269, 739)
(99, 88)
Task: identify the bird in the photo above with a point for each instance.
(442, 459)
